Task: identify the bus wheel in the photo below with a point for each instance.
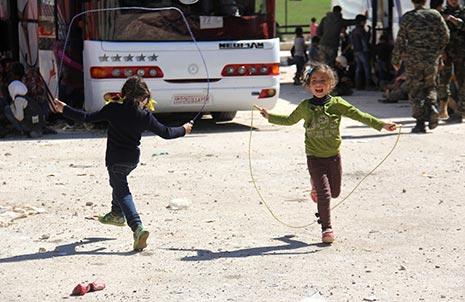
(223, 116)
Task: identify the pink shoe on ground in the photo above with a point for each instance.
(81, 289)
(327, 236)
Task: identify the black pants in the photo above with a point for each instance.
(300, 65)
(325, 176)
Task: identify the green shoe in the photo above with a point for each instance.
(140, 238)
(112, 219)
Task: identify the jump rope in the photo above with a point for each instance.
(262, 199)
(332, 208)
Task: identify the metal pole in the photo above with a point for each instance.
(285, 14)
(55, 16)
(374, 21)
(13, 30)
(390, 19)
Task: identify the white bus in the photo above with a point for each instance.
(236, 39)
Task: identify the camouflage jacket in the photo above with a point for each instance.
(456, 46)
(423, 35)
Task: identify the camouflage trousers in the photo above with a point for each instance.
(455, 65)
(444, 80)
(328, 54)
(421, 82)
(459, 71)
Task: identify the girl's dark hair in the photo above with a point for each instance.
(135, 91)
(325, 69)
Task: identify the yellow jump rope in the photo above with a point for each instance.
(332, 208)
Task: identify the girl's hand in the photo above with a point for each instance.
(390, 126)
(187, 127)
(58, 105)
(263, 111)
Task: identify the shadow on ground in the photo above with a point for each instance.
(67, 250)
(290, 244)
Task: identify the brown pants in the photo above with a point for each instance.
(325, 174)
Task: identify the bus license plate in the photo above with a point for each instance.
(191, 99)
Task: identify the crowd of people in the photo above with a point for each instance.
(350, 53)
(436, 47)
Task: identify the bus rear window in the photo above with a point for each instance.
(208, 19)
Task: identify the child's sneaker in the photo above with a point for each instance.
(327, 236)
(112, 219)
(140, 238)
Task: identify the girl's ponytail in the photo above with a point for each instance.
(135, 91)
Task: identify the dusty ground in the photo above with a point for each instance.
(400, 236)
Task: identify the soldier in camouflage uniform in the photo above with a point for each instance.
(445, 70)
(422, 36)
(455, 53)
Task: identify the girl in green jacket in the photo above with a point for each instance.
(322, 115)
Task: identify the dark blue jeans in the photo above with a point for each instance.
(5, 108)
(362, 67)
(383, 69)
(122, 202)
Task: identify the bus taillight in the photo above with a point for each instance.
(109, 96)
(267, 93)
(118, 72)
(234, 70)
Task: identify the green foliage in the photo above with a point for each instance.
(300, 12)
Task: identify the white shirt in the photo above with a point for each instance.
(299, 46)
(16, 89)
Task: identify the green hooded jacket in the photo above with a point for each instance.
(322, 123)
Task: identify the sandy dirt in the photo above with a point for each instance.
(400, 236)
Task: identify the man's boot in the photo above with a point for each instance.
(433, 120)
(455, 118)
(443, 115)
(419, 127)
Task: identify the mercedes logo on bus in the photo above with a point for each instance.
(193, 69)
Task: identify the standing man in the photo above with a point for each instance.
(329, 32)
(445, 70)
(455, 53)
(422, 36)
(360, 43)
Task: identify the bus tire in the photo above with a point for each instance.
(223, 116)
